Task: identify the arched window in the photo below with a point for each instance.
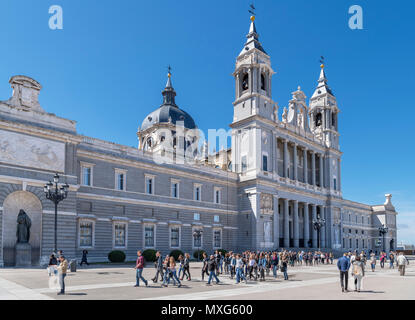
(262, 82)
(245, 82)
(149, 142)
(333, 119)
(319, 119)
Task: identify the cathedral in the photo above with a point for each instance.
(277, 186)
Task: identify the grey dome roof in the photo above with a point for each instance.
(166, 114)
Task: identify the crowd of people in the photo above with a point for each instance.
(239, 266)
(248, 265)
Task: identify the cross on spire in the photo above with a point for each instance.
(252, 9)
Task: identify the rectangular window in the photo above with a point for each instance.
(120, 235)
(335, 183)
(175, 189)
(174, 237)
(149, 236)
(149, 185)
(265, 162)
(350, 243)
(216, 219)
(198, 193)
(120, 180)
(86, 176)
(85, 233)
(357, 243)
(196, 216)
(217, 240)
(217, 195)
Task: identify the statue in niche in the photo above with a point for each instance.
(23, 227)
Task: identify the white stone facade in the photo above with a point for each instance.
(262, 193)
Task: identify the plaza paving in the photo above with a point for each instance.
(116, 282)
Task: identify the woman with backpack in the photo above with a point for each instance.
(358, 271)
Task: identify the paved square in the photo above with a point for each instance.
(116, 282)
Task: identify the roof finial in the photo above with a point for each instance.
(169, 71)
(322, 62)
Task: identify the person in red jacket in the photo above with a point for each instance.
(139, 267)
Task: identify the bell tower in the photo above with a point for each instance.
(253, 106)
(324, 113)
(253, 76)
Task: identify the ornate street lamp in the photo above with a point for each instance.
(382, 231)
(56, 194)
(318, 224)
(197, 234)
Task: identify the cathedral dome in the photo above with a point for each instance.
(169, 112)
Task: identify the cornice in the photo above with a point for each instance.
(49, 134)
(157, 168)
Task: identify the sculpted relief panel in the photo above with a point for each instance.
(266, 204)
(28, 151)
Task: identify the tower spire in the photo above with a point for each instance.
(168, 92)
(322, 87)
(252, 36)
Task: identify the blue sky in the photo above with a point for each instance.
(107, 67)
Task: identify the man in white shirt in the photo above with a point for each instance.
(402, 261)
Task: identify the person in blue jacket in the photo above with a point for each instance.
(343, 264)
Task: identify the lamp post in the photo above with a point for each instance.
(197, 234)
(318, 223)
(56, 194)
(382, 231)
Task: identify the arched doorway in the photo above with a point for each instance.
(11, 207)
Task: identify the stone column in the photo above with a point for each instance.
(276, 223)
(323, 230)
(285, 158)
(238, 85)
(339, 175)
(286, 225)
(276, 154)
(306, 226)
(305, 167)
(296, 225)
(313, 168)
(321, 170)
(314, 214)
(295, 163)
